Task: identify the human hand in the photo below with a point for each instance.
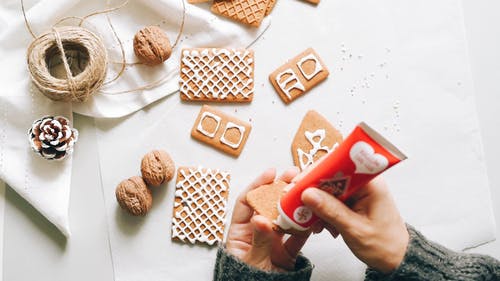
(372, 228)
(251, 237)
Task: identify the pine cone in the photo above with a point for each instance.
(52, 137)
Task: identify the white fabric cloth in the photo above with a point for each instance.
(408, 63)
(46, 185)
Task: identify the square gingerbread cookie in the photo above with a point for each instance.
(217, 75)
(200, 205)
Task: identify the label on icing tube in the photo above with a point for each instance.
(363, 155)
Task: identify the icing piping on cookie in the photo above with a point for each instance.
(203, 214)
(282, 85)
(216, 73)
(317, 66)
(317, 146)
(200, 126)
(231, 125)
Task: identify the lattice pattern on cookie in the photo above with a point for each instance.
(249, 12)
(200, 205)
(211, 74)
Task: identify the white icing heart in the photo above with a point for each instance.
(366, 160)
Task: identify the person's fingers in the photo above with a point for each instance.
(294, 244)
(262, 242)
(242, 212)
(329, 209)
(317, 227)
(333, 231)
(289, 174)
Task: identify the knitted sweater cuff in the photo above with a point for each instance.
(426, 260)
(228, 267)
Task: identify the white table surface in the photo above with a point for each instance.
(35, 250)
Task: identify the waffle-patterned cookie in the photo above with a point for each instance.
(249, 12)
(270, 6)
(200, 205)
(218, 75)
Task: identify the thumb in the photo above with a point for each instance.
(262, 240)
(329, 209)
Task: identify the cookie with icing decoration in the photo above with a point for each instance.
(217, 75)
(200, 205)
(249, 12)
(315, 138)
(221, 131)
(299, 75)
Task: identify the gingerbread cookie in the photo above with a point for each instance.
(221, 131)
(313, 1)
(250, 12)
(219, 75)
(200, 205)
(197, 1)
(270, 6)
(264, 199)
(299, 75)
(315, 138)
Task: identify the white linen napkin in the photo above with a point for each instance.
(46, 185)
(397, 65)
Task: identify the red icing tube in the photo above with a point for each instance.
(363, 155)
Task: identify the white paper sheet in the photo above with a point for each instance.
(401, 66)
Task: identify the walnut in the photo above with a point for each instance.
(134, 196)
(151, 45)
(157, 167)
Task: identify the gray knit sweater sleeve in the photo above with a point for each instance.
(425, 260)
(229, 268)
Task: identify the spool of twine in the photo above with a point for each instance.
(64, 44)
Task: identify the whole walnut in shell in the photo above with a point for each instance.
(134, 196)
(151, 45)
(157, 167)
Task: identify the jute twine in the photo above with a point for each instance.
(55, 43)
(66, 40)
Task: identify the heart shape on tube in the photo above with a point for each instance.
(366, 160)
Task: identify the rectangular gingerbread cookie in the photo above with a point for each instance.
(217, 75)
(223, 132)
(200, 205)
(299, 75)
(250, 12)
(313, 1)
